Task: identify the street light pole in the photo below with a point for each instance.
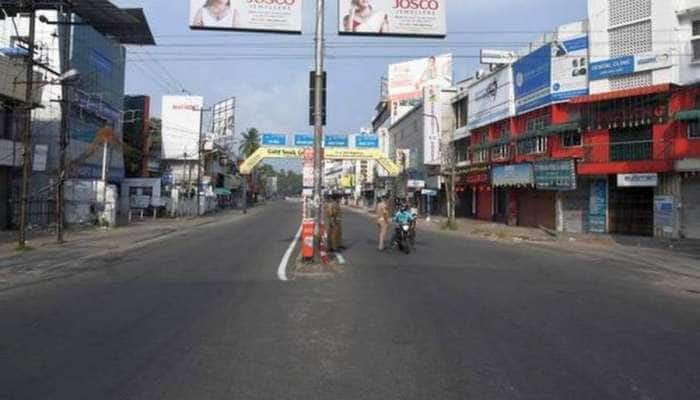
(318, 130)
(27, 131)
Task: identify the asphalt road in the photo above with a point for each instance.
(204, 316)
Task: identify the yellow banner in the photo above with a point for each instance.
(329, 154)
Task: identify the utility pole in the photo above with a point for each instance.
(199, 159)
(64, 34)
(27, 129)
(318, 130)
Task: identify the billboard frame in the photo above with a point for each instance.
(342, 32)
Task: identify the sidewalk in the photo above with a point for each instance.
(678, 256)
(46, 259)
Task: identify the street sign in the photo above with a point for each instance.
(429, 192)
(303, 140)
(336, 141)
(367, 142)
(274, 139)
(415, 184)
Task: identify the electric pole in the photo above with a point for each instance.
(200, 147)
(64, 46)
(318, 131)
(27, 129)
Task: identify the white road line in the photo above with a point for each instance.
(341, 259)
(282, 270)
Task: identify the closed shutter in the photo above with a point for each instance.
(691, 208)
(537, 208)
(483, 205)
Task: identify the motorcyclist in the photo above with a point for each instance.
(402, 217)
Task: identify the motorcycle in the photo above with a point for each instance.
(403, 237)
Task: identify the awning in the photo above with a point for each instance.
(126, 25)
(688, 115)
(619, 94)
(534, 134)
(564, 128)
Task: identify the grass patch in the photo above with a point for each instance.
(24, 249)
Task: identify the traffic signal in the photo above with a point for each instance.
(312, 92)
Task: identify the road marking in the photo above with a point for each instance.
(282, 270)
(341, 259)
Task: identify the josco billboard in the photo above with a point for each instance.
(392, 17)
(247, 15)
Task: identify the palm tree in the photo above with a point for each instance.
(251, 142)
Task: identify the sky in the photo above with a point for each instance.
(268, 73)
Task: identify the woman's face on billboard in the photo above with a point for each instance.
(360, 3)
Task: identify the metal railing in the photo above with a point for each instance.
(636, 150)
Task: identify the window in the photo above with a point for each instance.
(501, 152)
(694, 130)
(481, 156)
(630, 144)
(537, 123)
(504, 130)
(571, 139)
(461, 113)
(535, 145)
(695, 41)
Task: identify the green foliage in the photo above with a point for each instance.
(251, 142)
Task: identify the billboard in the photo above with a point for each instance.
(491, 99)
(181, 124)
(224, 118)
(628, 65)
(426, 18)
(407, 80)
(432, 115)
(283, 16)
(555, 72)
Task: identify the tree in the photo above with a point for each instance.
(449, 171)
(251, 142)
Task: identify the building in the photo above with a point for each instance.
(417, 138)
(137, 136)
(95, 50)
(592, 129)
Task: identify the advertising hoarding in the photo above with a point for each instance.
(497, 57)
(181, 123)
(598, 208)
(224, 118)
(555, 72)
(282, 16)
(423, 18)
(407, 80)
(491, 99)
(555, 175)
(432, 119)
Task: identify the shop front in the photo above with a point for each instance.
(631, 198)
(477, 182)
(689, 171)
(556, 203)
(515, 196)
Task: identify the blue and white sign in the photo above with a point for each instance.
(533, 74)
(336, 141)
(569, 68)
(628, 65)
(367, 142)
(303, 140)
(513, 175)
(274, 139)
(491, 99)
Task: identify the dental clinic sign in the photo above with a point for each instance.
(628, 65)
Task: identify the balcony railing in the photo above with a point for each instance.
(638, 150)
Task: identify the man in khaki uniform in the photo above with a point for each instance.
(334, 220)
(382, 212)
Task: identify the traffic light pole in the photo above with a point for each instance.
(318, 131)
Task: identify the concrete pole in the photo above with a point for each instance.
(318, 131)
(65, 108)
(27, 131)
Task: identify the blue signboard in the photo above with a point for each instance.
(274, 139)
(304, 140)
(533, 80)
(614, 67)
(367, 142)
(336, 141)
(512, 175)
(555, 175)
(570, 69)
(598, 208)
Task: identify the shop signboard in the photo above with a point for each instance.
(598, 207)
(512, 175)
(491, 99)
(638, 180)
(664, 214)
(283, 16)
(429, 192)
(415, 184)
(422, 18)
(555, 175)
(432, 119)
(628, 65)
